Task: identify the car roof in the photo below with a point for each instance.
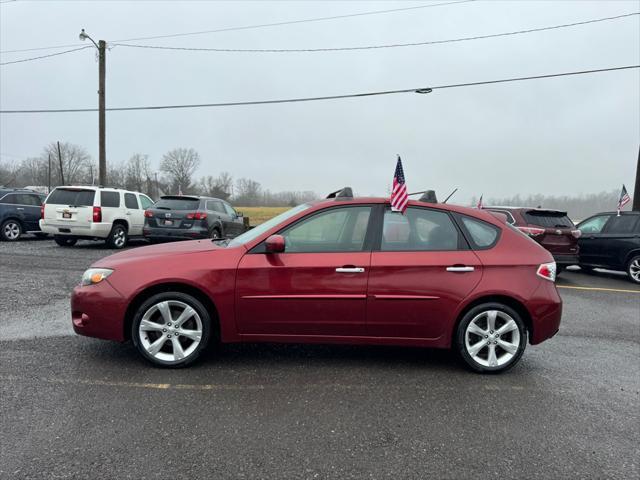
(95, 188)
(537, 209)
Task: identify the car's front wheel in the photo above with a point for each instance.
(10, 230)
(171, 329)
(491, 338)
(633, 269)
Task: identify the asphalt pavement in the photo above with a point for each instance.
(75, 407)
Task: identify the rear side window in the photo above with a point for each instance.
(483, 234)
(72, 197)
(110, 199)
(419, 229)
(230, 210)
(622, 224)
(177, 204)
(28, 199)
(10, 199)
(216, 206)
(130, 201)
(547, 219)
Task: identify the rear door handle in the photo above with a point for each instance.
(460, 269)
(350, 270)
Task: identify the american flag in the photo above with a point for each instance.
(399, 196)
(624, 198)
(479, 205)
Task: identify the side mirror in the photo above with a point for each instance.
(274, 244)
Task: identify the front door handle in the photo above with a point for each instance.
(350, 270)
(19, 208)
(460, 269)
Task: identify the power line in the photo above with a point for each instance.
(45, 56)
(371, 47)
(330, 97)
(250, 27)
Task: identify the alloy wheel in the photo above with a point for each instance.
(634, 269)
(170, 330)
(492, 338)
(119, 237)
(11, 231)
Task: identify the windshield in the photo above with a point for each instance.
(548, 219)
(269, 224)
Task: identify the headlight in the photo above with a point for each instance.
(95, 275)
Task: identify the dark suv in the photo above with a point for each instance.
(19, 212)
(182, 217)
(552, 229)
(612, 242)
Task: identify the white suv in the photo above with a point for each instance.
(93, 213)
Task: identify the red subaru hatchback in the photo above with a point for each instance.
(342, 270)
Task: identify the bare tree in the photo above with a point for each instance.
(137, 173)
(8, 173)
(180, 164)
(75, 163)
(247, 192)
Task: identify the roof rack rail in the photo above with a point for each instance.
(429, 196)
(345, 192)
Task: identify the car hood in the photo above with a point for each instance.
(164, 250)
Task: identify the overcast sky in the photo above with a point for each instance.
(558, 136)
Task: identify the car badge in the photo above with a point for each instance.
(167, 215)
(558, 232)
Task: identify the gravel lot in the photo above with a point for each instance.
(75, 407)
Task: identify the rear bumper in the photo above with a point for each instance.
(546, 312)
(566, 259)
(174, 233)
(98, 311)
(92, 230)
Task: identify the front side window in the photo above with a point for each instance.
(419, 229)
(264, 227)
(130, 201)
(110, 199)
(594, 225)
(482, 233)
(335, 230)
(11, 199)
(230, 210)
(622, 224)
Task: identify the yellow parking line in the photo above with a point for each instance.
(598, 289)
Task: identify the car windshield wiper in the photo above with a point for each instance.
(163, 208)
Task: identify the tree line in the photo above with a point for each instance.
(65, 163)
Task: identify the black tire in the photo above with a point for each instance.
(138, 340)
(118, 236)
(11, 230)
(64, 241)
(586, 268)
(477, 314)
(215, 233)
(41, 234)
(633, 269)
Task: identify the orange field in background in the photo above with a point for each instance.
(258, 215)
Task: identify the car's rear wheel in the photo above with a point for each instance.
(215, 234)
(118, 237)
(171, 329)
(586, 269)
(633, 269)
(10, 230)
(64, 241)
(491, 338)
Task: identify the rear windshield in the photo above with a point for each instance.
(177, 204)
(547, 219)
(72, 197)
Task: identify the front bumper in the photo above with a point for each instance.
(98, 311)
(174, 233)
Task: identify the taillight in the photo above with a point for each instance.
(576, 233)
(196, 216)
(97, 214)
(547, 271)
(531, 231)
(42, 211)
(148, 213)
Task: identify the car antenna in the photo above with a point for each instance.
(450, 195)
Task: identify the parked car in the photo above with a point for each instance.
(552, 229)
(188, 217)
(19, 213)
(93, 213)
(612, 242)
(341, 270)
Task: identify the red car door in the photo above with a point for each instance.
(318, 286)
(419, 276)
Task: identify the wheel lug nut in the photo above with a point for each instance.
(486, 336)
(164, 329)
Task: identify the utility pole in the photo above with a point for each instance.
(60, 162)
(636, 191)
(157, 186)
(102, 73)
(49, 173)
